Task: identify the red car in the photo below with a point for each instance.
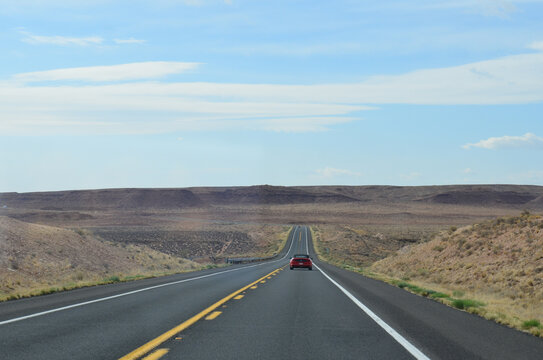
(301, 261)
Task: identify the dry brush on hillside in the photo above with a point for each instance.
(39, 259)
(496, 264)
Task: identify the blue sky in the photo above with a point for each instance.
(172, 93)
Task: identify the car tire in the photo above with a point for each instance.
(310, 268)
(291, 268)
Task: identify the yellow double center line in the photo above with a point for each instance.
(144, 349)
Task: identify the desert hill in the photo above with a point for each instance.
(517, 196)
(121, 199)
(72, 236)
(498, 263)
(38, 256)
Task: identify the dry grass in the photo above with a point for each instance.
(498, 263)
(36, 259)
(361, 246)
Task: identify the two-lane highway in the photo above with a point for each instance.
(256, 311)
(290, 314)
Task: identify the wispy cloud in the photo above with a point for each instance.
(527, 140)
(499, 8)
(483, 83)
(536, 45)
(304, 124)
(61, 40)
(132, 71)
(271, 107)
(129, 41)
(495, 8)
(330, 172)
(143, 108)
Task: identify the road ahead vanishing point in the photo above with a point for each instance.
(256, 311)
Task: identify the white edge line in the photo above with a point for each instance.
(400, 339)
(139, 290)
(306, 241)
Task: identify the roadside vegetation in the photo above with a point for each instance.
(37, 259)
(493, 269)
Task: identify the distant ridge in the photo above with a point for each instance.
(482, 197)
(520, 196)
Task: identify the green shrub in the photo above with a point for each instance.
(439, 295)
(466, 303)
(531, 323)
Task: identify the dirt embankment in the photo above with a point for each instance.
(498, 263)
(36, 258)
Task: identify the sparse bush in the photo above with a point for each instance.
(531, 323)
(466, 303)
(439, 295)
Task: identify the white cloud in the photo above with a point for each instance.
(150, 108)
(72, 41)
(467, 171)
(133, 71)
(497, 8)
(509, 80)
(303, 124)
(536, 45)
(527, 140)
(330, 172)
(129, 41)
(61, 40)
(127, 107)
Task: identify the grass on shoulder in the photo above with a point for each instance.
(105, 281)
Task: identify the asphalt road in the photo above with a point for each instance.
(256, 311)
